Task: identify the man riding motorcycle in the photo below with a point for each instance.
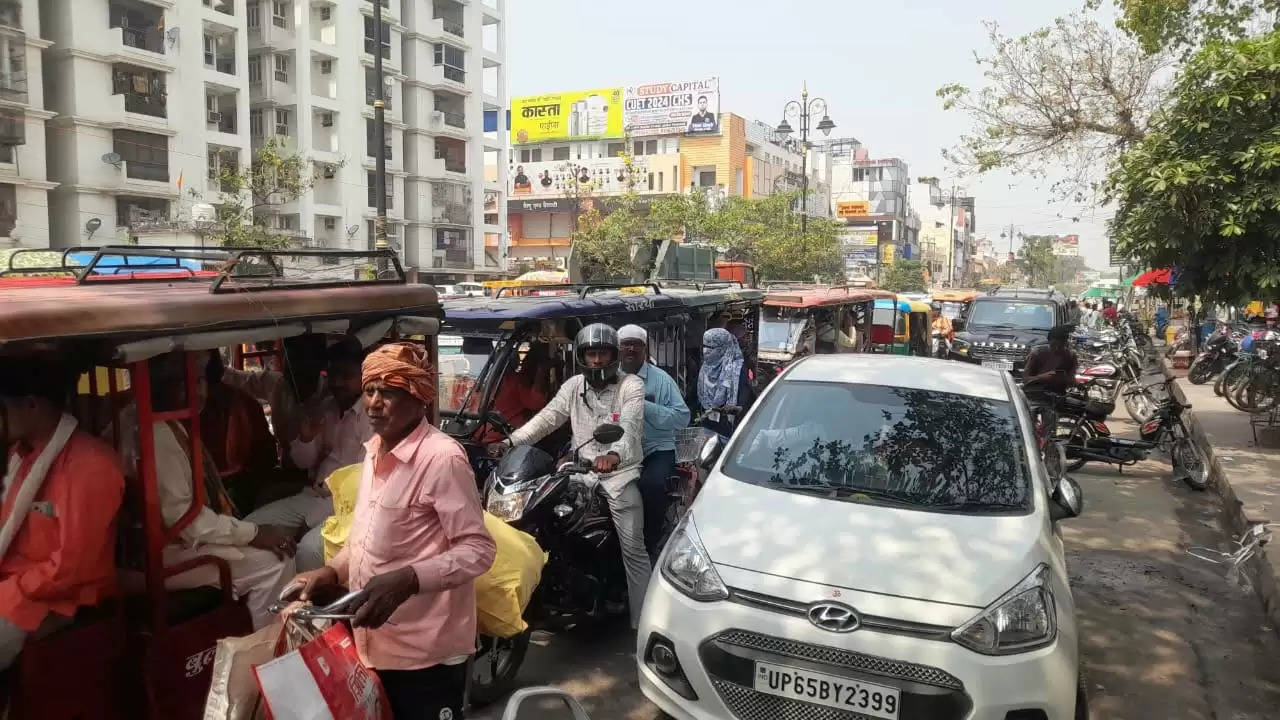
(600, 394)
(943, 330)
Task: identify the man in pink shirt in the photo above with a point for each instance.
(416, 545)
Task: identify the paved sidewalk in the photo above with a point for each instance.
(1247, 475)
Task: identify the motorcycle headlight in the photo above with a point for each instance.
(509, 507)
(1262, 353)
(1022, 619)
(686, 565)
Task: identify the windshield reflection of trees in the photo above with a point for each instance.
(936, 449)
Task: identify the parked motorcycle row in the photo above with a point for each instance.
(1246, 364)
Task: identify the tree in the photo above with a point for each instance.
(1071, 95)
(1186, 25)
(905, 276)
(1036, 259)
(606, 242)
(1199, 193)
(273, 178)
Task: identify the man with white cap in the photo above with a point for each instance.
(665, 412)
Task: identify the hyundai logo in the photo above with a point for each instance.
(834, 617)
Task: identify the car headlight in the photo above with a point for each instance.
(1022, 619)
(686, 565)
(509, 507)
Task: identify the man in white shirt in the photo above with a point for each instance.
(333, 440)
(260, 555)
(292, 392)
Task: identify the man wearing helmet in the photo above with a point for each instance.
(600, 394)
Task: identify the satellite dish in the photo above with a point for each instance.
(203, 212)
(352, 230)
(112, 159)
(92, 226)
(171, 35)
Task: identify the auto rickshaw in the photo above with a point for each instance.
(955, 304)
(730, 305)
(804, 320)
(919, 325)
(148, 652)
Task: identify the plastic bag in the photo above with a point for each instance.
(233, 692)
(503, 592)
(344, 484)
(323, 680)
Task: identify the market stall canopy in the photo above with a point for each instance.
(544, 276)
(1152, 277)
(1098, 292)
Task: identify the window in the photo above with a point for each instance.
(326, 67)
(802, 439)
(650, 181)
(279, 13)
(454, 61)
(146, 155)
(209, 52)
(369, 35)
(282, 68)
(251, 15)
(534, 155)
(659, 182)
(330, 223)
(707, 178)
(212, 163)
(326, 12)
(560, 153)
(255, 123)
(645, 147)
(282, 122)
(615, 149)
(255, 69)
(326, 119)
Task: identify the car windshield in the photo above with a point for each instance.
(901, 447)
(781, 334)
(462, 363)
(1015, 314)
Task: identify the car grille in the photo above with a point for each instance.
(867, 622)
(747, 704)
(997, 351)
(842, 658)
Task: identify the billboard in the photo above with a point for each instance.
(1066, 245)
(577, 115)
(672, 108)
(560, 178)
(856, 209)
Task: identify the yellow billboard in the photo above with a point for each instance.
(577, 115)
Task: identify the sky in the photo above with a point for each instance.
(878, 65)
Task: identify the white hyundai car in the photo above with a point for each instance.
(878, 540)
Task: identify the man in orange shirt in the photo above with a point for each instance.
(417, 543)
(61, 493)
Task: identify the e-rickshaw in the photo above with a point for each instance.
(148, 651)
(814, 320)
(727, 305)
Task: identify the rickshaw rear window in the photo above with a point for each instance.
(462, 363)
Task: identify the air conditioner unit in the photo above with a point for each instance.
(282, 129)
(437, 117)
(329, 172)
(215, 117)
(330, 223)
(326, 120)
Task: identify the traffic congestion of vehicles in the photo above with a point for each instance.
(623, 443)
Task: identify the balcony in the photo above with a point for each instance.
(151, 171)
(370, 95)
(267, 30)
(140, 25)
(13, 86)
(450, 14)
(452, 248)
(226, 7)
(143, 90)
(11, 16)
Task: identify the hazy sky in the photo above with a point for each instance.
(876, 63)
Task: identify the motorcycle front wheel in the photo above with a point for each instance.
(1139, 404)
(1079, 437)
(495, 666)
(1188, 463)
(1201, 371)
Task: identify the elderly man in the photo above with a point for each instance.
(416, 545)
(664, 413)
(333, 438)
(57, 520)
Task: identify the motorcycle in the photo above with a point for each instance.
(1165, 431)
(1219, 350)
(940, 346)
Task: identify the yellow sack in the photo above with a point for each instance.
(344, 484)
(504, 591)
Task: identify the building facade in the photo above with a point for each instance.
(24, 184)
(872, 196)
(154, 97)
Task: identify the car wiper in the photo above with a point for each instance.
(831, 490)
(975, 505)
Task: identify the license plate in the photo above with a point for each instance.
(829, 690)
(1006, 365)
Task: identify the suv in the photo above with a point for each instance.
(1003, 327)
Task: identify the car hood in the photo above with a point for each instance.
(1003, 335)
(940, 557)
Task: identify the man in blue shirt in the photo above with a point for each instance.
(664, 414)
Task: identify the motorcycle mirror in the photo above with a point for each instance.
(1068, 499)
(607, 434)
(710, 452)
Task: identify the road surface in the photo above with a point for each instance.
(1163, 635)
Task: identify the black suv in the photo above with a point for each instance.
(1004, 326)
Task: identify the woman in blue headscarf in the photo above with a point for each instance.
(721, 380)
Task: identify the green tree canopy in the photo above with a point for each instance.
(1036, 260)
(1201, 192)
(905, 276)
(1185, 25)
(274, 177)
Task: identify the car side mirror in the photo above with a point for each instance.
(1068, 499)
(710, 452)
(607, 434)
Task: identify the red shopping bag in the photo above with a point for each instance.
(322, 680)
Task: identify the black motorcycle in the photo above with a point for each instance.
(1166, 431)
(1220, 350)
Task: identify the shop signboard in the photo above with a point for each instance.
(576, 115)
(672, 108)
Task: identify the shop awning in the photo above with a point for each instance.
(1152, 277)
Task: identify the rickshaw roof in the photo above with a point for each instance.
(917, 306)
(820, 297)
(127, 307)
(892, 303)
(553, 307)
(956, 295)
(704, 296)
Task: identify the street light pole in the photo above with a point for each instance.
(804, 110)
(380, 137)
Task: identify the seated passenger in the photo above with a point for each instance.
(261, 556)
(235, 432)
(523, 392)
(62, 491)
(289, 391)
(333, 439)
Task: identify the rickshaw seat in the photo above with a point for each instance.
(73, 672)
(180, 605)
(881, 335)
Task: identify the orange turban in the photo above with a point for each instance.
(404, 366)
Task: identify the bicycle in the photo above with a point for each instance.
(1248, 544)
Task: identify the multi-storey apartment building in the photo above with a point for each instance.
(24, 185)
